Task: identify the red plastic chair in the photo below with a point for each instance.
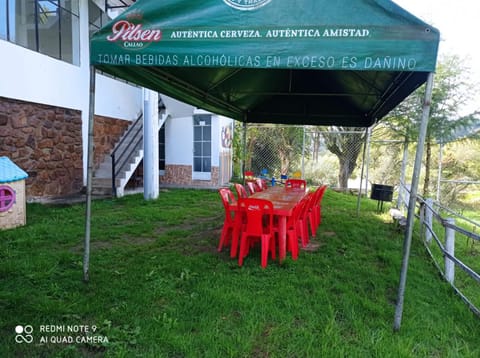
(241, 192)
(303, 219)
(317, 206)
(258, 214)
(315, 209)
(228, 199)
(296, 184)
(295, 229)
(253, 187)
(311, 214)
(261, 184)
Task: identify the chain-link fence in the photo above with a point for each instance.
(334, 157)
(456, 174)
(356, 158)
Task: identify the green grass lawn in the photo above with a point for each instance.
(159, 288)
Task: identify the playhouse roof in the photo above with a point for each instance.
(320, 62)
(10, 172)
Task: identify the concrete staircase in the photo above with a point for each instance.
(128, 155)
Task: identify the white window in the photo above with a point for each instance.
(50, 27)
(202, 146)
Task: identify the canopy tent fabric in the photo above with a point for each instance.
(317, 62)
(313, 62)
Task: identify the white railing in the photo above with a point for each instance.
(429, 213)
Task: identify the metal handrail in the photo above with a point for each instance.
(125, 155)
(446, 224)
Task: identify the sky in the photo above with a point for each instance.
(458, 22)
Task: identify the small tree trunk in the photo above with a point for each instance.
(316, 146)
(343, 173)
(284, 164)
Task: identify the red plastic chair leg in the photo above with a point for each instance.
(303, 231)
(265, 249)
(293, 243)
(237, 227)
(243, 249)
(312, 221)
(225, 238)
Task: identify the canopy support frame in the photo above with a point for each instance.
(365, 145)
(412, 202)
(88, 205)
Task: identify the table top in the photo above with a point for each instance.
(283, 199)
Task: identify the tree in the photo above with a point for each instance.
(346, 146)
(460, 165)
(452, 90)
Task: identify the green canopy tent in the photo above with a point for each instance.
(261, 62)
(316, 62)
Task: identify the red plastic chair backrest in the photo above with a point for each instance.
(251, 187)
(255, 211)
(298, 210)
(308, 204)
(227, 199)
(296, 183)
(241, 192)
(261, 184)
(319, 194)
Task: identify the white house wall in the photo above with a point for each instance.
(177, 108)
(30, 76)
(117, 99)
(33, 77)
(179, 141)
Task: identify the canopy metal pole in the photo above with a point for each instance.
(411, 205)
(244, 142)
(368, 160)
(303, 152)
(88, 211)
(361, 175)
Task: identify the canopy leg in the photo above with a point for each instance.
(367, 134)
(244, 143)
(88, 210)
(411, 205)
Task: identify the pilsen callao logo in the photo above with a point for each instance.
(130, 33)
(246, 5)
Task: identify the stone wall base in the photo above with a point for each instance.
(181, 176)
(106, 134)
(46, 142)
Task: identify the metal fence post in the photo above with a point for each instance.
(450, 249)
(428, 220)
(422, 219)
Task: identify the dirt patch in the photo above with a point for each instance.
(329, 233)
(312, 246)
(103, 245)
